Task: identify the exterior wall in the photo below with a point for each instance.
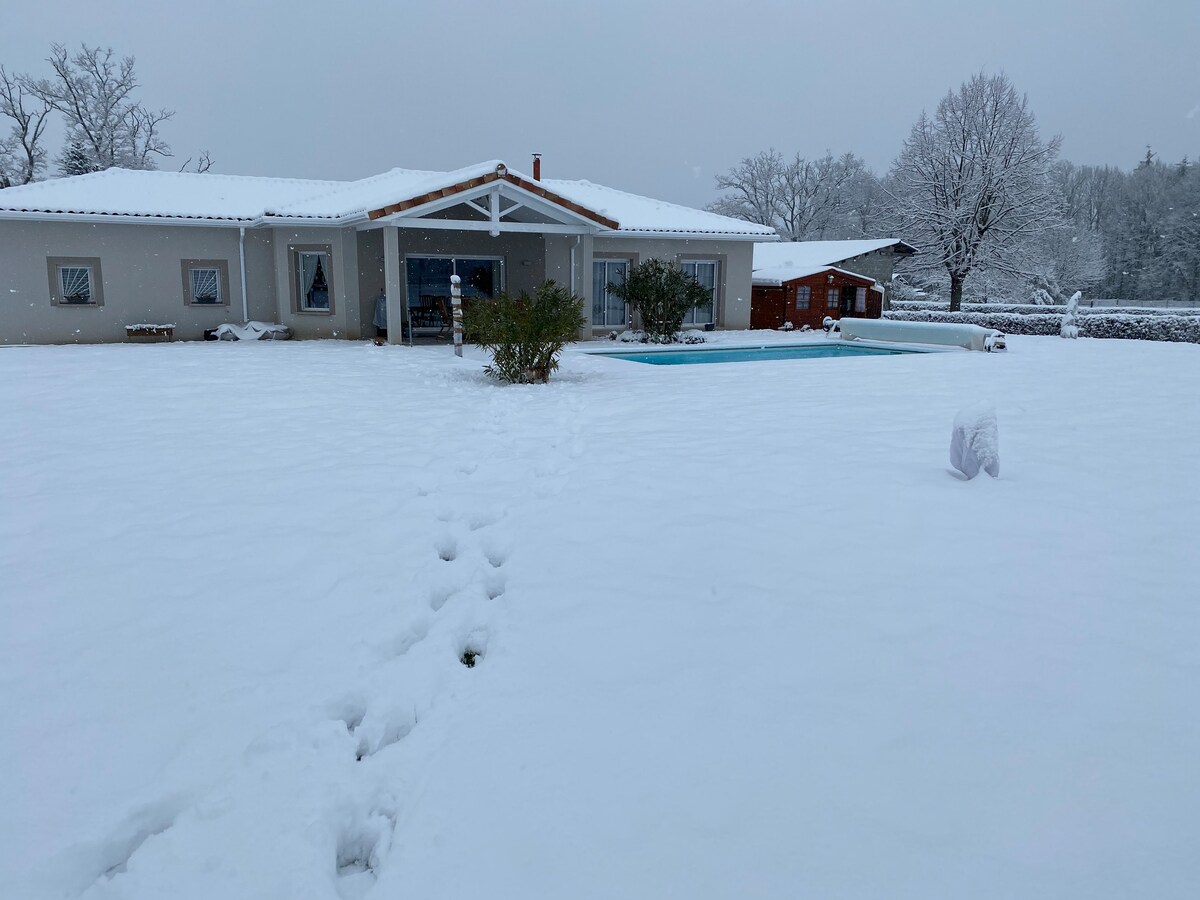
(737, 262)
(142, 280)
(344, 320)
(768, 310)
(371, 277)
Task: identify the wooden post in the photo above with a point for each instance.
(456, 312)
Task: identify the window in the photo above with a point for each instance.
(75, 281)
(831, 298)
(428, 285)
(803, 294)
(608, 310)
(205, 282)
(860, 300)
(312, 276)
(705, 273)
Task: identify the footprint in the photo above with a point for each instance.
(139, 828)
(361, 850)
(447, 548)
(351, 712)
(417, 632)
(496, 556)
(494, 584)
(474, 648)
(482, 520)
(382, 731)
(439, 595)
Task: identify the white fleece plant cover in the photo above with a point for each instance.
(252, 331)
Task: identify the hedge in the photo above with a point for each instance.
(1032, 309)
(1095, 325)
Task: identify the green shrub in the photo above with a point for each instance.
(526, 333)
(661, 294)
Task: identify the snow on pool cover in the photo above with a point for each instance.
(754, 354)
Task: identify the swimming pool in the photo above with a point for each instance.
(754, 354)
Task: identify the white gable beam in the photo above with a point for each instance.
(463, 225)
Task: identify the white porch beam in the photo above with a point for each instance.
(392, 286)
(494, 206)
(460, 225)
(511, 209)
(475, 206)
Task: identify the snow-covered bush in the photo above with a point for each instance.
(975, 441)
(681, 337)
(1128, 326)
(526, 333)
(1040, 297)
(662, 295)
(1069, 327)
(786, 326)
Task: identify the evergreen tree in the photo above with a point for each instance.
(75, 159)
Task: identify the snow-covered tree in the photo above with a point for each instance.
(22, 154)
(972, 183)
(802, 199)
(75, 159)
(93, 90)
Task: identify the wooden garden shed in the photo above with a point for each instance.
(804, 297)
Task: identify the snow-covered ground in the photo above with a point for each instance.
(741, 632)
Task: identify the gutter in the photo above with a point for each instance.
(242, 269)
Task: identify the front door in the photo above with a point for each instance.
(847, 300)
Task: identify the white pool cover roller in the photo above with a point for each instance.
(972, 337)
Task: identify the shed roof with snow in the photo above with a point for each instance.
(781, 262)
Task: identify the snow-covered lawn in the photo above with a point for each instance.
(740, 630)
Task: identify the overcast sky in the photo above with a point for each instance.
(653, 97)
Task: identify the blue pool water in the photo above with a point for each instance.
(752, 354)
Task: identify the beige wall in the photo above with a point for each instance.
(142, 279)
(344, 319)
(737, 258)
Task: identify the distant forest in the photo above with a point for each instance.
(996, 214)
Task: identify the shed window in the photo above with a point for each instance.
(803, 295)
(860, 300)
(831, 298)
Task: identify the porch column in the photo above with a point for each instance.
(392, 286)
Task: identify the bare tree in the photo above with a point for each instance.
(972, 182)
(22, 156)
(94, 91)
(203, 164)
(800, 199)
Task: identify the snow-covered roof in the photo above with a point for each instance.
(169, 195)
(641, 215)
(251, 200)
(774, 276)
(349, 198)
(803, 258)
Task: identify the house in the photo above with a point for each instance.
(802, 282)
(81, 258)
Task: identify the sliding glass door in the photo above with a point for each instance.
(428, 283)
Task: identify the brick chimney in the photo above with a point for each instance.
(537, 167)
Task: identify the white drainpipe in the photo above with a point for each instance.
(242, 268)
(578, 237)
